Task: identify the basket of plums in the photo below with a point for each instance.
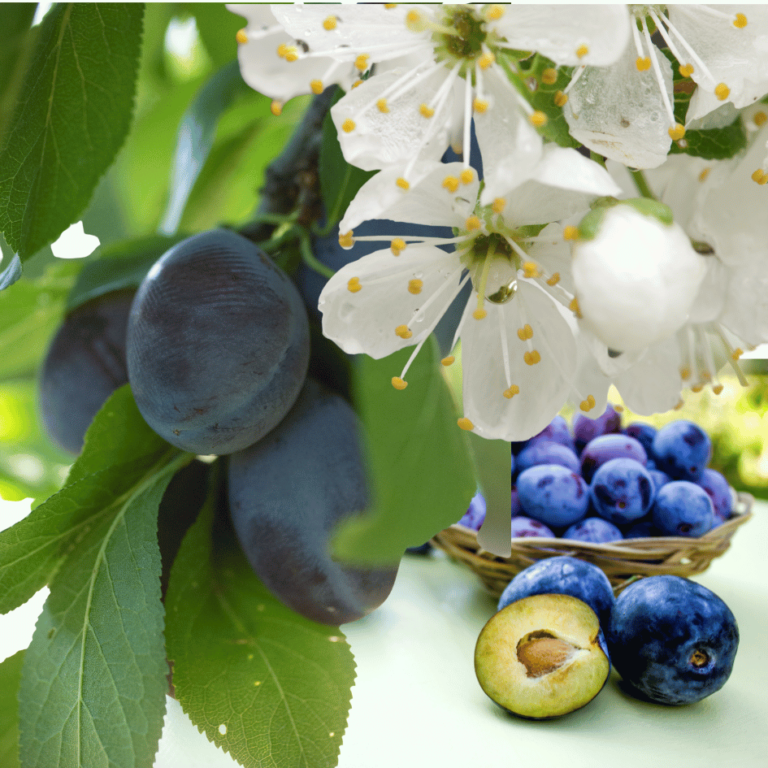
(632, 500)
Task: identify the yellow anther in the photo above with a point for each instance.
(571, 233)
(549, 76)
(473, 223)
(403, 332)
(415, 21)
(685, 373)
(538, 118)
(467, 176)
(241, 37)
(524, 333)
(480, 106)
(330, 23)
(390, 6)
(451, 183)
(643, 63)
(292, 53)
(618, 408)
(511, 391)
(760, 119)
(680, 403)
(415, 286)
(763, 180)
(588, 404)
(740, 21)
(532, 357)
(582, 51)
(353, 285)
(677, 132)
(426, 111)
(465, 424)
(574, 307)
(348, 125)
(486, 60)
(717, 388)
(397, 246)
(561, 99)
(450, 360)
(703, 175)
(480, 314)
(554, 280)
(759, 175)
(282, 49)
(382, 105)
(494, 12)
(398, 383)
(737, 353)
(722, 91)
(276, 108)
(356, 83)
(686, 70)
(347, 239)
(361, 62)
(403, 184)
(316, 86)
(498, 205)
(530, 269)
(697, 388)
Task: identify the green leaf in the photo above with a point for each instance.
(118, 266)
(71, 120)
(10, 675)
(339, 181)
(196, 134)
(420, 468)
(94, 678)
(30, 313)
(541, 96)
(15, 20)
(268, 686)
(217, 27)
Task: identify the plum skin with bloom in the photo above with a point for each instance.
(544, 451)
(682, 508)
(622, 491)
(563, 575)
(603, 448)
(553, 494)
(672, 640)
(682, 449)
(594, 530)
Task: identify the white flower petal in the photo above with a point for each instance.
(554, 255)
(746, 305)
(364, 321)
(559, 31)
(619, 112)
(374, 139)
(544, 386)
(653, 384)
(426, 201)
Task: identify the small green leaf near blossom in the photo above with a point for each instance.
(10, 675)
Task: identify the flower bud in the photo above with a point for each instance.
(635, 272)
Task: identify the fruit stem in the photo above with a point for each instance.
(642, 184)
(311, 260)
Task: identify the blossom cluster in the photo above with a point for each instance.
(605, 241)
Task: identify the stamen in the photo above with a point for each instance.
(538, 119)
(415, 286)
(347, 239)
(659, 77)
(740, 21)
(582, 51)
(531, 358)
(526, 332)
(574, 307)
(686, 70)
(575, 78)
(571, 233)
(316, 86)
(561, 99)
(382, 105)
(451, 183)
(643, 63)
(465, 424)
(241, 37)
(353, 285)
(348, 125)
(329, 23)
(426, 111)
(677, 132)
(662, 20)
(467, 176)
(473, 223)
(276, 108)
(703, 175)
(398, 383)
(403, 331)
(486, 59)
(494, 12)
(505, 352)
(480, 313)
(450, 360)
(531, 269)
(554, 280)
(480, 106)
(498, 205)
(549, 76)
(361, 62)
(403, 184)
(722, 91)
(511, 391)
(588, 404)
(415, 21)
(760, 118)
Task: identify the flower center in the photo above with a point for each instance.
(465, 39)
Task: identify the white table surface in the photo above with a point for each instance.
(417, 704)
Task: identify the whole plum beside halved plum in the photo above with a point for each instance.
(683, 508)
(682, 449)
(553, 494)
(288, 493)
(563, 575)
(218, 344)
(85, 363)
(542, 656)
(672, 640)
(622, 491)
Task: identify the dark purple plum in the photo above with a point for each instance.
(287, 495)
(682, 449)
(642, 529)
(683, 508)
(557, 431)
(85, 363)
(622, 491)
(515, 502)
(218, 344)
(586, 428)
(474, 517)
(659, 478)
(594, 530)
(563, 575)
(643, 433)
(606, 447)
(525, 527)
(715, 484)
(553, 494)
(672, 640)
(547, 452)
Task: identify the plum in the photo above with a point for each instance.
(553, 494)
(218, 344)
(474, 517)
(622, 491)
(542, 656)
(594, 530)
(643, 433)
(542, 451)
(683, 508)
(563, 575)
(715, 484)
(682, 449)
(672, 640)
(606, 447)
(289, 491)
(85, 363)
(585, 428)
(525, 527)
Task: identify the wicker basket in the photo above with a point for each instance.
(622, 562)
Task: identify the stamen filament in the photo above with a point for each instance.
(657, 72)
